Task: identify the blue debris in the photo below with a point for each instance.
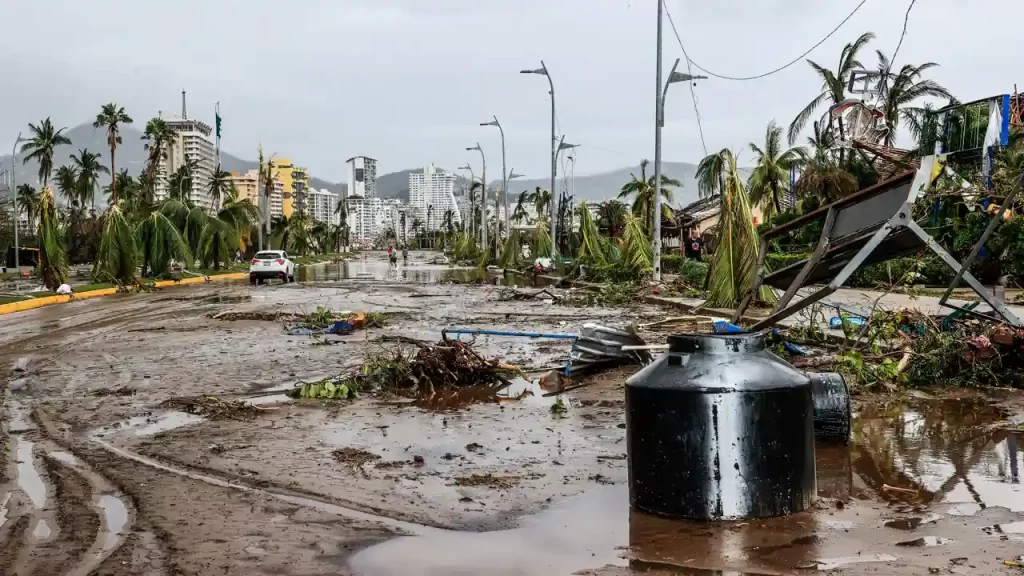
(722, 326)
(836, 322)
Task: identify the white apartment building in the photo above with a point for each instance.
(362, 177)
(277, 199)
(321, 205)
(433, 188)
(193, 140)
(369, 217)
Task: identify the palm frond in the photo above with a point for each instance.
(116, 259)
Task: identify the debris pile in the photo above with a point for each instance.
(908, 347)
(449, 364)
(215, 408)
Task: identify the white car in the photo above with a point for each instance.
(269, 264)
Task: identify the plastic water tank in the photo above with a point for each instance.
(720, 428)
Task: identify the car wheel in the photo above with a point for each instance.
(259, 281)
(252, 281)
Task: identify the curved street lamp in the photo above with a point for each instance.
(483, 197)
(543, 71)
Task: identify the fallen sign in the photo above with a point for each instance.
(868, 227)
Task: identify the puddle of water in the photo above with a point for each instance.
(924, 542)
(419, 273)
(29, 479)
(66, 459)
(42, 531)
(150, 425)
(939, 451)
(115, 516)
(3, 508)
(834, 563)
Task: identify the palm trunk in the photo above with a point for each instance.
(113, 175)
(775, 197)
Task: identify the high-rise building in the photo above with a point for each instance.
(247, 185)
(362, 177)
(283, 171)
(321, 205)
(193, 141)
(431, 194)
(300, 187)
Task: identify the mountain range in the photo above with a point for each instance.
(132, 155)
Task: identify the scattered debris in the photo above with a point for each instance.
(119, 391)
(488, 481)
(559, 408)
(474, 447)
(215, 408)
(513, 294)
(354, 456)
(324, 390)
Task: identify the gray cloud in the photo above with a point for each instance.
(408, 81)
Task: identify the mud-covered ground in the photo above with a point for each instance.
(115, 484)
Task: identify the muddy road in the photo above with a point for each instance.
(98, 478)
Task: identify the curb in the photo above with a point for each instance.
(51, 300)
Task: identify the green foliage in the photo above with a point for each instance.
(116, 259)
(870, 374)
(734, 263)
(160, 241)
(324, 390)
(41, 147)
(53, 263)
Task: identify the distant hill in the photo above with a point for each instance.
(132, 155)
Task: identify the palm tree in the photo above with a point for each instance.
(159, 240)
(67, 184)
(222, 234)
(770, 178)
(341, 210)
(734, 263)
(899, 91)
(41, 146)
(220, 185)
(53, 260)
(611, 216)
(822, 177)
(711, 173)
(833, 85)
(89, 169)
(180, 182)
(541, 201)
(111, 117)
(159, 138)
(130, 190)
(642, 188)
(415, 226)
(28, 202)
(519, 214)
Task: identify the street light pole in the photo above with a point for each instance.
(483, 198)
(504, 188)
(659, 123)
(14, 196)
(558, 150)
(543, 70)
(472, 179)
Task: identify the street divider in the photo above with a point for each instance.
(33, 303)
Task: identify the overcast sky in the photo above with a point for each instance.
(409, 81)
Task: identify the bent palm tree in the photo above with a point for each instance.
(160, 241)
(734, 263)
(833, 84)
(89, 169)
(711, 173)
(41, 146)
(53, 260)
(220, 186)
(541, 201)
(770, 177)
(111, 117)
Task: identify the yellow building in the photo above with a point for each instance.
(247, 185)
(294, 182)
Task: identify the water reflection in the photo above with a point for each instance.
(421, 273)
(939, 451)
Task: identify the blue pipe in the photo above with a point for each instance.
(474, 331)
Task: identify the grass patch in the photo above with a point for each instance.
(10, 299)
(81, 288)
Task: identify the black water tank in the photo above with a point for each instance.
(720, 428)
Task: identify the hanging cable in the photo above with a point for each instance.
(769, 73)
(696, 111)
(906, 19)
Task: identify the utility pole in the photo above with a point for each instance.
(504, 188)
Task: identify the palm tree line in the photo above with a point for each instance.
(135, 234)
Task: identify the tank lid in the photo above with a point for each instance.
(726, 343)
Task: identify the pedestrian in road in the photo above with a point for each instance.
(393, 256)
(405, 255)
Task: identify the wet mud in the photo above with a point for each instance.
(467, 482)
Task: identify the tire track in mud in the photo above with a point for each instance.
(70, 519)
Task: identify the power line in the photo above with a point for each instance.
(906, 19)
(769, 73)
(696, 111)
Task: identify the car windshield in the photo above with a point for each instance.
(268, 255)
